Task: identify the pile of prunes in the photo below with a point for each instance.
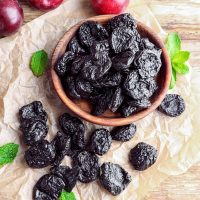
(111, 66)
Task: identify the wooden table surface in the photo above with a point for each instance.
(182, 16)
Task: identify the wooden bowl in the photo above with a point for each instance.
(82, 108)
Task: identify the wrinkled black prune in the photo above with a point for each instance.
(148, 63)
(68, 175)
(123, 39)
(173, 105)
(63, 65)
(124, 133)
(77, 64)
(122, 61)
(40, 154)
(78, 141)
(116, 100)
(33, 131)
(100, 141)
(33, 111)
(142, 156)
(123, 20)
(89, 166)
(146, 44)
(38, 195)
(140, 103)
(49, 184)
(126, 110)
(100, 47)
(75, 47)
(71, 125)
(114, 178)
(91, 31)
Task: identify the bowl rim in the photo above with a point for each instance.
(105, 121)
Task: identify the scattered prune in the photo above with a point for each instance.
(77, 64)
(71, 125)
(146, 44)
(124, 133)
(114, 178)
(126, 110)
(142, 156)
(89, 166)
(100, 47)
(123, 20)
(91, 31)
(78, 141)
(140, 103)
(116, 100)
(100, 141)
(33, 111)
(63, 65)
(38, 195)
(122, 61)
(40, 154)
(68, 175)
(75, 47)
(148, 63)
(173, 105)
(49, 185)
(33, 131)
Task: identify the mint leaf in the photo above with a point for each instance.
(181, 57)
(173, 44)
(39, 62)
(173, 80)
(67, 196)
(8, 153)
(181, 68)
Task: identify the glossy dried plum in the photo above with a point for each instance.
(142, 156)
(100, 47)
(123, 39)
(71, 125)
(63, 65)
(38, 195)
(75, 47)
(148, 63)
(140, 103)
(77, 64)
(33, 131)
(40, 154)
(100, 141)
(78, 141)
(126, 110)
(33, 111)
(173, 105)
(49, 184)
(91, 31)
(146, 44)
(124, 133)
(122, 61)
(68, 175)
(89, 166)
(116, 100)
(123, 20)
(114, 178)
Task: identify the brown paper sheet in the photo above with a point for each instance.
(177, 139)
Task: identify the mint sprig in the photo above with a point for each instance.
(178, 58)
(67, 196)
(8, 153)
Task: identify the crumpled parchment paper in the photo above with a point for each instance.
(177, 139)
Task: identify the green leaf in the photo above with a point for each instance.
(8, 153)
(181, 68)
(67, 196)
(39, 63)
(173, 44)
(173, 80)
(181, 57)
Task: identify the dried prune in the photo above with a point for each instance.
(148, 63)
(71, 125)
(126, 110)
(63, 65)
(75, 47)
(33, 111)
(77, 64)
(146, 44)
(89, 166)
(100, 47)
(78, 141)
(40, 154)
(114, 178)
(116, 100)
(91, 31)
(140, 103)
(142, 156)
(124, 133)
(50, 185)
(122, 61)
(68, 175)
(38, 195)
(33, 131)
(100, 141)
(123, 39)
(123, 20)
(173, 105)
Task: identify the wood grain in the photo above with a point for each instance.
(182, 16)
